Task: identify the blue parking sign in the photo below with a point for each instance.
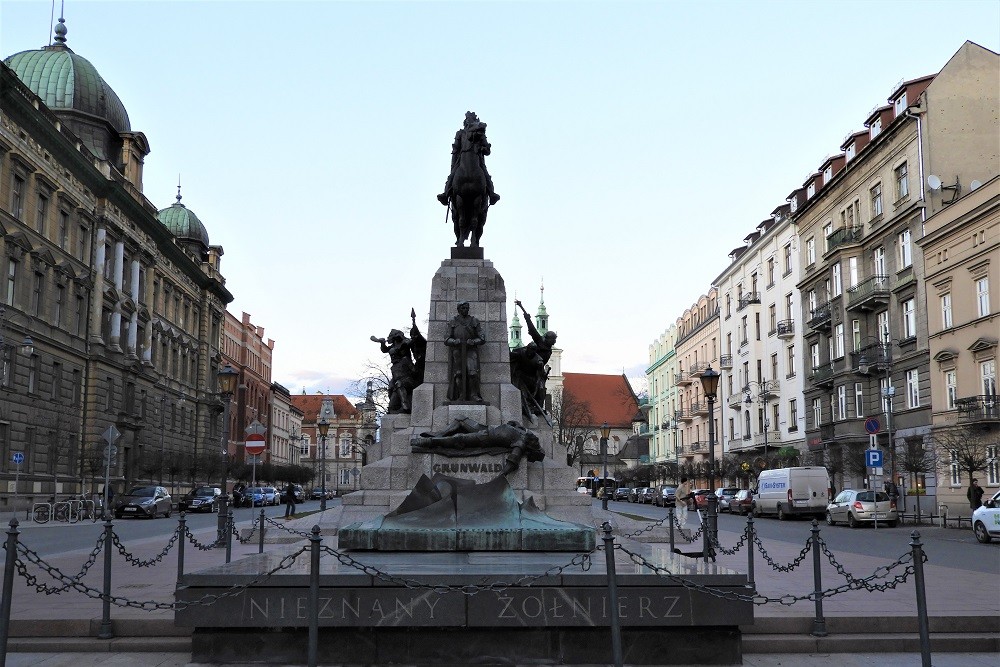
(873, 458)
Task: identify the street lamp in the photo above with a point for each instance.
(227, 385)
(323, 426)
(296, 437)
(710, 385)
(605, 432)
(765, 389)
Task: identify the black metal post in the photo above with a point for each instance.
(670, 517)
(8, 588)
(322, 473)
(260, 545)
(713, 500)
(819, 623)
(918, 576)
(105, 632)
(222, 518)
(750, 547)
(616, 629)
(313, 649)
(229, 536)
(181, 538)
(604, 481)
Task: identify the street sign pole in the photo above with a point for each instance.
(110, 436)
(18, 459)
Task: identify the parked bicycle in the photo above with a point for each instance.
(66, 511)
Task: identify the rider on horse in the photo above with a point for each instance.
(473, 130)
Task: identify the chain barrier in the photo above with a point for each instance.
(778, 567)
(646, 529)
(694, 536)
(219, 543)
(119, 601)
(138, 562)
(300, 533)
(581, 560)
(236, 531)
(80, 575)
(881, 572)
(739, 545)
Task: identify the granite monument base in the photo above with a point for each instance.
(562, 617)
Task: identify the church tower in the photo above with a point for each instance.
(515, 333)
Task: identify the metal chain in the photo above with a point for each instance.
(300, 533)
(881, 572)
(236, 532)
(150, 605)
(83, 571)
(694, 536)
(198, 545)
(137, 562)
(648, 528)
(739, 545)
(581, 560)
(782, 568)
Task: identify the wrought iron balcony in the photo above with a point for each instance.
(735, 400)
(684, 416)
(773, 437)
(698, 368)
(748, 299)
(700, 408)
(874, 357)
(869, 294)
(726, 361)
(844, 236)
(683, 379)
(695, 447)
(978, 408)
(822, 375)
(786, 329)
(819, 317)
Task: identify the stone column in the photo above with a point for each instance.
(97, 310)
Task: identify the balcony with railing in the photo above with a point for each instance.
(735, 400)
(698, 368)
(700, 409)
(748, 299)
(822, 375)
(684, 415)
(871, 358)
(696, 447)
(726, 362)
(843, 237)
(786, 329)
(773, 437)
(978, 409)
(683, 379)
(819, 317)
(870, 294)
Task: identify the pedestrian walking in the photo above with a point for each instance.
(289, 501)
(975, 495)
(682, 496)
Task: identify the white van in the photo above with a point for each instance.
(792, 491)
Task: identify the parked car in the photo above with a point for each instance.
(255, 496)
(856, 507)
(741, 503)
(986, 520)
(271, 496)
(701, 498)
(147, 501)
(633, 494)
(725, 495)
(646, 494)
(201, 499)
(300, 493)
(665, 496)
(621, 493)
(317, 494)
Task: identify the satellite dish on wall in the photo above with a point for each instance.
(934, 182)
(974, 185)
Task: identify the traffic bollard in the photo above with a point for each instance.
(918, 576)
(313, 649)
(181, 535)
(819, 623)
(670, 518)
(105, 632)
(8, 588)
(260, 548)
(229, 536)
(750, 546)
(616, 628)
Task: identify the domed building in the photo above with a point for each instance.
(120, 306)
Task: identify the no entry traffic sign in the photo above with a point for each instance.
(255, 444)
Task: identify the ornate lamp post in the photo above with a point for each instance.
(227, 385)
(605, 432)
(765, 389)
(323, 426)
(298, 438)
(710, 384)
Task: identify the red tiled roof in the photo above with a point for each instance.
(310, 405)
(610, 397)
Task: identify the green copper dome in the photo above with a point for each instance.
(183, 223)
(70, 84)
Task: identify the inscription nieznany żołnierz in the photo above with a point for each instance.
(512, 607)
(447, 468)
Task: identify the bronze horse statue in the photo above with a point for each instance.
(469, 189)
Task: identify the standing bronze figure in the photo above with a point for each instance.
(543, 348)
(464, 338)
(469, 188)
(407, 371)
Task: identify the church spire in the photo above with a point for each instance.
(542, 316)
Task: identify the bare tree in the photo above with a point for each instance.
(379, 376)
(967, 446)
(574, 423)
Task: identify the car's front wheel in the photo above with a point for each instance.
(829, 519)
(982, 534)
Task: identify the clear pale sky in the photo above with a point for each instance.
(634, 144)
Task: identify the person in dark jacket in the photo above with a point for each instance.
(975, 495)
(289, 501)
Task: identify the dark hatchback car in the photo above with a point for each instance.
(201, 499)
(646, 495)
(145, 501)
(621, 493)
(665, 496)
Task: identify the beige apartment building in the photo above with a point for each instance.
(961, 249)
(697, 348)
(858, 217)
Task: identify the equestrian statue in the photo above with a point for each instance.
(469, 188)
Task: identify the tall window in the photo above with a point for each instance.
(988, 373)
(856, 335)
(905, 251)
(788, 258)
(42, 213)
(882, 324)
(58, 305)
(838, 341)
(80, 315)
(770, 271)
(841, 402)
(983, 296)
(63, 229)
(992, 465)
(33, 374)
(817, 412)
(852, 271)
(11, 280)
(859, 400)
(878, 261)
(956, 472)
(793, 415)
(812, 301)
(909, 318)
(17, 197)
(912, 388)
(56, 381)
(827, 231)
(788, 307)
(814, 355)
(772, 312)
(838, 287)
(791, 360)
(946, 322)
(36, 294)
(951, 389)
(774, 366)
(902, 186)
(811, 251)
(876, 198)
(743, 331)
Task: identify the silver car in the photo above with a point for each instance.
(859, 507)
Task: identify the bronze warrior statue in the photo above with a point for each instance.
(467, 437)
(469, 187)
(464, 338)
(407, 371)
